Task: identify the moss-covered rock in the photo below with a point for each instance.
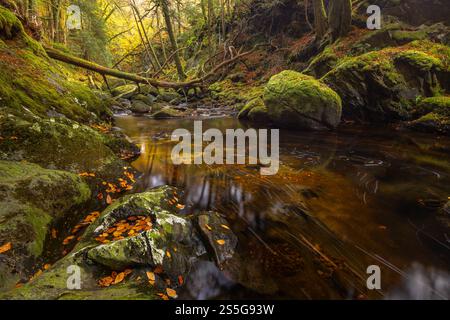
(434, 115)
(60, 143)
(299, 101)
(255, 110)
(169, 95)
(383, 86)
(167, 112)
(139, 106)
(146, 98)
(32, 198)
(126, 91)
(173, 243)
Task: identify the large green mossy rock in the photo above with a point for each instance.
(299, 101)
(171, 233)
(174, 243)
(60, 143)
(384, 86)
(31, 199)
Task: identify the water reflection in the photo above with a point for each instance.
(340, 202)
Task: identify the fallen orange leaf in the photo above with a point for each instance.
(151, 275)
(171, 293)
(119, 278)
(5, 247)
(221, 242)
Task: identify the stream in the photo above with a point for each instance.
(356, 197)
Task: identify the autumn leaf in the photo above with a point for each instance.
(225, 226)
(220, 242)
(6, 247)
(180, 206)
(180, 280)
(168, 254)
(108, 199)
(151, 276)
(207, 226)
(163, 296)
(105, 282)
(47, 266)
(119, 278)
(171, 293)
(68, 239)
(54, 233)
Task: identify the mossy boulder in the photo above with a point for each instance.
(146, 98)
(299, 101)
(169, 95)
(383, 86)
(32, 198)
(166, 113)
(60, 143)
(139, 106)
(255, 110)
(125, 91)
(434, 115)
(173, 242)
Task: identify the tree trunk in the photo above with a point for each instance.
(60, 56)
(340, 17)
(320, 19)
(173, 41)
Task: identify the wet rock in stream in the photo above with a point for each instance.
(219, 236)
(172, 243)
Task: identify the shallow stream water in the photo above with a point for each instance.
(341, 200)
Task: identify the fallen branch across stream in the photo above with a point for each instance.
(104, 71)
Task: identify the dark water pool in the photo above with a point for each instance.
(341, 202)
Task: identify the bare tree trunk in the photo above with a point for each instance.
(222, 18)
(211, 23)
(340, 17)
(173, 41)
(144, 32)
(161, 40)
(144, 44)
(320, 19)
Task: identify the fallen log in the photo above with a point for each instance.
(104, 71)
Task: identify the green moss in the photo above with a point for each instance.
(32, 198)
(419, 60)
(437, 105)
(404, 36)
(323, 63)
(292, 87)
(300, 101)
(235, 92)
(10, 26)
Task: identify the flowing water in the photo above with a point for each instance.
(340, 202)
